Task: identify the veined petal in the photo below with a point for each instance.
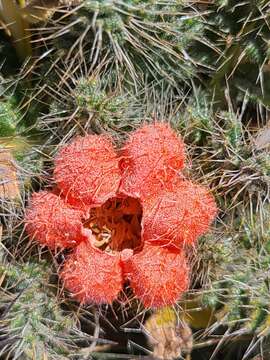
(178, 217)
(92, 276)
(53, 223)
(87, 170)
(158, 276)
(151, 158)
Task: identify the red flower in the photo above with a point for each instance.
(128, 216)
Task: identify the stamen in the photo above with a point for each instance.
(116, 225)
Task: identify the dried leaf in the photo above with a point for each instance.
(9, 186)
(168, 337)
(262, 140)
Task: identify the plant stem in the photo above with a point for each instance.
(10, 13)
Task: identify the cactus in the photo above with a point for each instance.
(236, 47)
(131, 42)
(111, 68)
(91, 108)
(33, 325)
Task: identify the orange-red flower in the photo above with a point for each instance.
(128, 215)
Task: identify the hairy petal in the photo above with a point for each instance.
(51, 222)
(87, 170)
(178, 217)
(158, 276)
(92, 276)
(151, 158)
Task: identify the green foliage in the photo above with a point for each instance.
(197, 120)
(8, 119)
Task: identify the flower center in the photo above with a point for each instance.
(116, 225)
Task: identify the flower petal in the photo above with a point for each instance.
(52, 222)
(87, 170)
(158, 276)
(178, 217)
(151, 158)
(91, 275)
